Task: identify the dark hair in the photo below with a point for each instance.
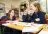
(23, 5)
(16, 13)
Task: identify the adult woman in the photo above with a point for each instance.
(37, 15)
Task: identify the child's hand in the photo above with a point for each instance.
(9, 21)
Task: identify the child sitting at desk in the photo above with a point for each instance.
(12, 15)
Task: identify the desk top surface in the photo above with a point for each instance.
(44, 30)
(25, 27)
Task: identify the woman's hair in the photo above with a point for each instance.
(16, 13)
(38, 6)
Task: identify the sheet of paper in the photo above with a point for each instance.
(22, 23)
(28, 29)
(43, 32)
(34, 28)
(5, 24)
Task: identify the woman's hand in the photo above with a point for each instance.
(37, 19)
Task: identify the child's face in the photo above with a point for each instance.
(12, 13)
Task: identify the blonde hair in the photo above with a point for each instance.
(38, 6)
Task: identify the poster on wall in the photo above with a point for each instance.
(2, 9)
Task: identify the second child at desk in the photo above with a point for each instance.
(12, 15)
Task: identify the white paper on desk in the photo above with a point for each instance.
(29, 29)
(43, 32)
(33, 28)
(5, 24)
(37, 25)
(24, 24)
(27, 24)
(13, 22)
(20, 23)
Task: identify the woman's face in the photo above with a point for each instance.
(12, 13)
(32, 7)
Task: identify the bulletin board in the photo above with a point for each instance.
(2, 9)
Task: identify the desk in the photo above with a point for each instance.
(44, 30)
(25, 27)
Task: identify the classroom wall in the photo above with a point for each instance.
(15, 3)
(11, 4)
(43, 5)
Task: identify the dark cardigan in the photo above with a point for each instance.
(31, 18)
